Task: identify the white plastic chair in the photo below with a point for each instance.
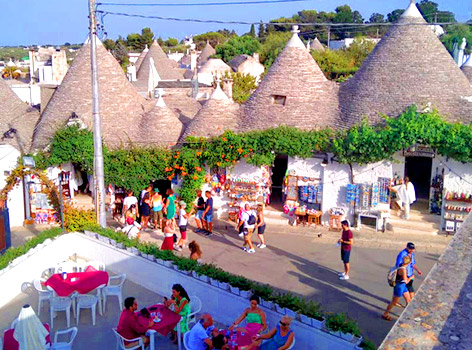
(89, 301)
(48, 273)
(43, 294)
(114, 289)
(97, 265)
(64, 345)
(120, 342)
(186, 336)
(61, 304)
(68, 266)
(195, 308)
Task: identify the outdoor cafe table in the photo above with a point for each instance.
(169, 320)
(81, 282)
(10, 343)
(243, 340)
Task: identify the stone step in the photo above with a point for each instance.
(412, 224)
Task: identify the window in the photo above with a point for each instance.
(278, 100)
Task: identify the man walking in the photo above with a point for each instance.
(346, 245)
(200, 208)
(410, 251)
(208, 214)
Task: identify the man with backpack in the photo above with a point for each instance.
(410, 251)
(248, 222)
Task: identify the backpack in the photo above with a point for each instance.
(251, 220)
(392, 276)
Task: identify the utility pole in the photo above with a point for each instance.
(98, 169)
(329, 35)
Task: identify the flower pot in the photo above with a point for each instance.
(305, 319)
(245, 293)
(168, 263)
(194, 274)
(112, 242)
(129, 249)
(160, 261)
(359, 340)
(213, 282)
(90, 234)
(267, 304)
(134, 250)
(203, 278)
(319, 324)
(347, 336)
(119, 245)
(291, 313)
(104, 239)
(234, 290)
(279, 309)
(223, 285)
(151, 257)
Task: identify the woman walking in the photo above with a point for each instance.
(183, 219)
(261, 226)
(170, 205)
(400, 289)
(169, 231)
(145, 211)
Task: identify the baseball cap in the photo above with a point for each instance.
(156, 189)
(410, 245)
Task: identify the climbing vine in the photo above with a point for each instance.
(135, 167)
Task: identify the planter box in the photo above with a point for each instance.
(291, 313)
(120, 245)
(113, 242)
(90, 234)
(267, 304)
(203, 278)
(234, 290)
(335, 333)
(359, 340)
(134, 250)
(104, 239)
(168, 263)
(194, 275)
(160, 261)
(150, 257)
(346, 336)
(223, 285)
(213, 282)
(279, 309)
(319, 324)
(245, 293)
(305, 319)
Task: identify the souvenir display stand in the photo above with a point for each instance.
(41, 210)
(436, 193)
(370, 200)
(456, 208)
(303, 198)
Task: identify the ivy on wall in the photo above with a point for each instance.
(134, 168)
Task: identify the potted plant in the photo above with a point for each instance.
(90, 234)
(312, 314)
(343, 327)
(242, 284)
(289, 303)
(185, 265)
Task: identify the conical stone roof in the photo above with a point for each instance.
(316, 45)
(164, 66)
(294, 92)
(18, 115)
(160, 126)
(216, 116)
(207, 51)
(467, 69)
(408, 66)
(141, 57)
(120, 104)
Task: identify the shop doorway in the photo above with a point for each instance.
(162, 185)
(278, 174)
(418, 169)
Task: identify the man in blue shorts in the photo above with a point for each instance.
(410, 251)
(200, 208)
(208, 214)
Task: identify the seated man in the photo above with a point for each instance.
(129, 326)
(199, 337)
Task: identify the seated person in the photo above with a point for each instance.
(255, 317)
(180, 302)
(199, 338)
(218, 340)
(280, 337)
(129, 327)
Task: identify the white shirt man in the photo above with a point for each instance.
(198, 338)
(129, 201)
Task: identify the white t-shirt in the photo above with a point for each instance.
(182, 219)
(197, 336)
(129, 201)
(245, 218)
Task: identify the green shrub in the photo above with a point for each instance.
(288, 300)
(340, 322)
(79, 219)
(240, 282)
(368, 345)
(264, 291)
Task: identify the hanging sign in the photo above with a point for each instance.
(419, 151)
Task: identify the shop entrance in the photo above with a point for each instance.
(278, 174)
(418, 169)
(162, 185)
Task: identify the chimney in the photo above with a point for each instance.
(228, 87)
(255, 55)
(131, 73)
(193, 60)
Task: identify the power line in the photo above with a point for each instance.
(259, 2)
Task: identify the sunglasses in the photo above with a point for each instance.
(284, 324)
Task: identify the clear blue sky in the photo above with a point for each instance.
(29, 22)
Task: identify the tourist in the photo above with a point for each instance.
(406, 196)
(409, 251)
(129, 201)
(208, 214)
(261, 226)
(200, 208)
(156, 201)
(143, 193)
(145, 211)
(183, 219)
(248, 221)
(129, 326)
(280, 337)
(242, 209)
(169, 208)
(199, 336)
(400, 289)
(181, 305)
(255, 318)
(132, 227)
(346, 241)
(195, 251)
(169, 231)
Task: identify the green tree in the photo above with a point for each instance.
(120, 52)
(109, 44)
(272, 47)
(393, 16)
(261, 34)
(147, 37)
(214, 38)
(133, 41)
(237, 46)
(170, 42)
(455, 33)
(377, 18)
(243, 86)
(252, 32)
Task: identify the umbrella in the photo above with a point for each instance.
(154, 77)
(29, 331)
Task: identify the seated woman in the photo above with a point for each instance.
(181, 304)
(280, 337)
(255, 317)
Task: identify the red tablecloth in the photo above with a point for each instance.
(10, 343)
(169, 319)
(243, 340)
(84, 282)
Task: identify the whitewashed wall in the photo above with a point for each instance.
(30, 94)
(16, 202)
(398, 165)
(309, 167)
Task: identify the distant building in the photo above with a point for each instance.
(344, 44)
(48, 65)
(246, 64)
(211, 69)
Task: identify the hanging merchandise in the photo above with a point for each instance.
(384, 192)
(436, 192)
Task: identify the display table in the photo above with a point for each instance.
(335, 222)
(379, 217)
(301, 218)
(314, 219)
